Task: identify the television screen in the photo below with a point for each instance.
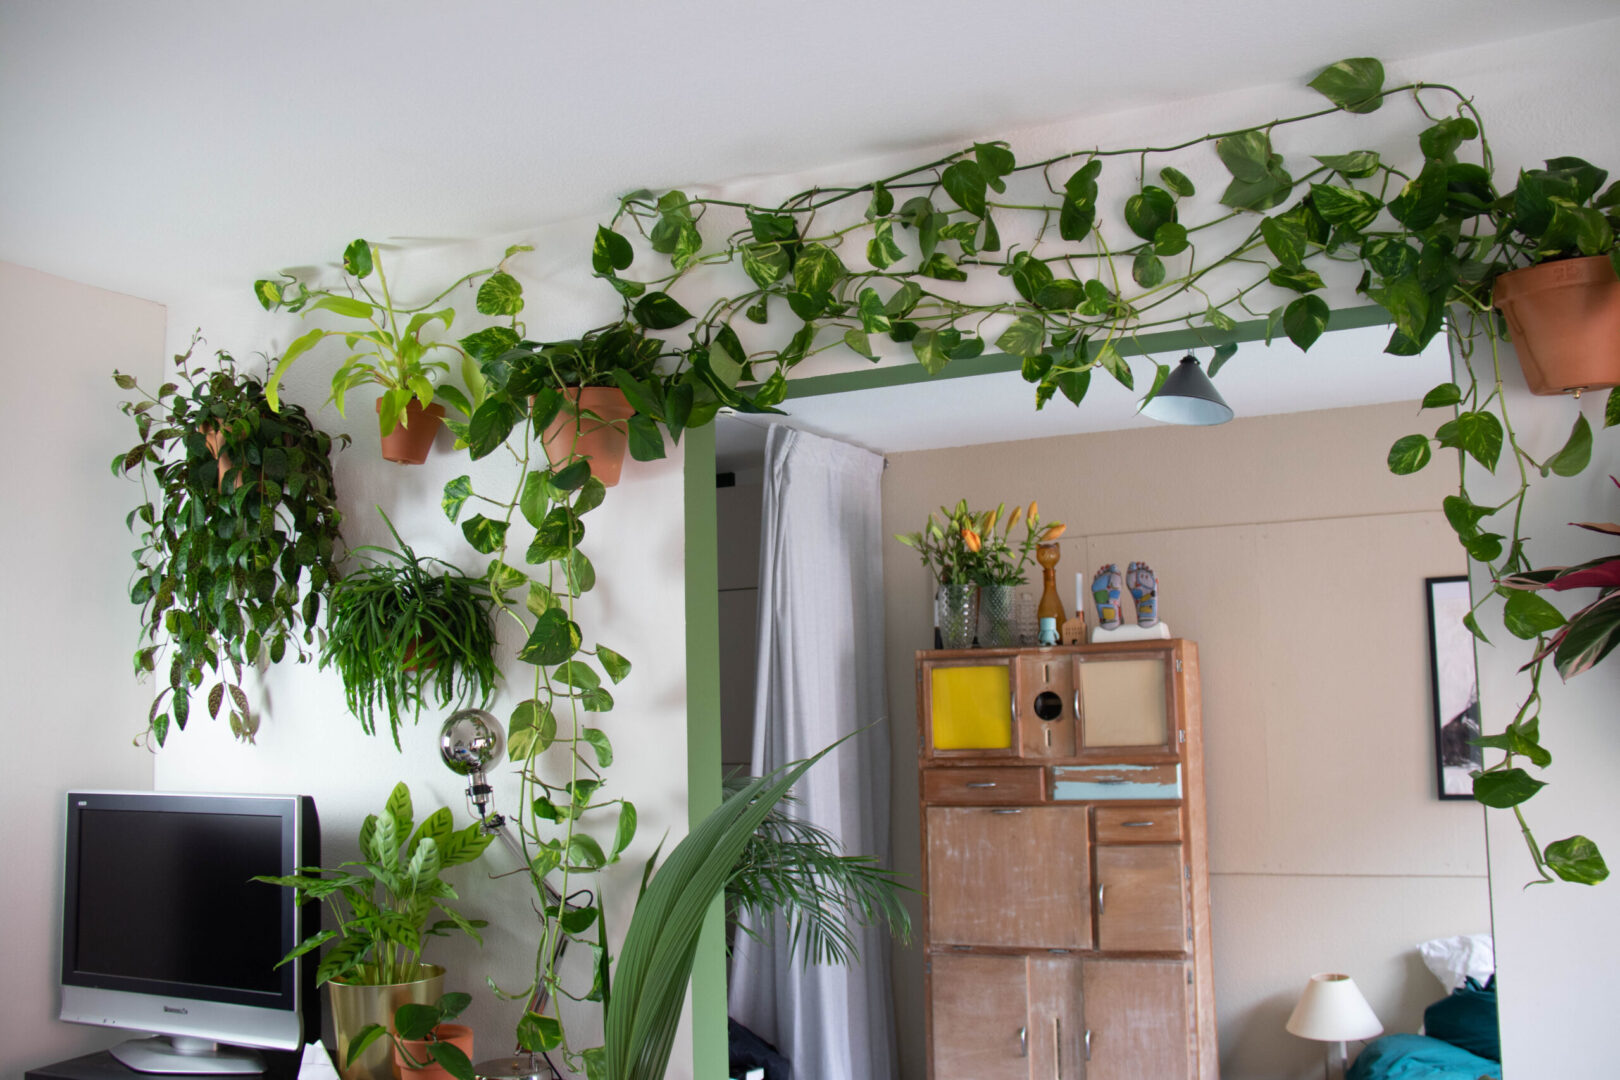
(169, 897)
(164, 928)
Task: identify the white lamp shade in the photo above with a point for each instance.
(1332, 1010)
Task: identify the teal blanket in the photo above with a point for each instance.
(1418, 1057)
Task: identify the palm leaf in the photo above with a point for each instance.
(655, 964)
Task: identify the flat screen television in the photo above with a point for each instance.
(164, 930)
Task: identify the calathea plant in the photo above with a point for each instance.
(387, 903)
(238, 528)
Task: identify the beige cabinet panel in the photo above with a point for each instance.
(1122, 703)
(1141, 904)
(1136, 1020)
(980, 1017)
(1009, 876)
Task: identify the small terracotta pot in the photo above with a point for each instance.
(1565, 321)
(215, 439)
(412, 438)
(458, 1035)
(602, 441)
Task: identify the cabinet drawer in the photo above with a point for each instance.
(984, 786)
(1099, 783)
(1129, 825)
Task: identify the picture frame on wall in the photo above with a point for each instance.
(1454, 687)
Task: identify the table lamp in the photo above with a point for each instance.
(1332, 1010)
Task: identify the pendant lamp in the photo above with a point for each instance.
(1188, 397)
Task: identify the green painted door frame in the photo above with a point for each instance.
(703, 620)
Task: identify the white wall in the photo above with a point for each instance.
(1557, 953)
(72, 709)
(310, 744)
(1287, 551)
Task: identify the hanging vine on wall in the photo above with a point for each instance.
(972, 251)
(1428, 237)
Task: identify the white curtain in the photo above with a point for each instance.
(820, 678)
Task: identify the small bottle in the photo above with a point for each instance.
(1050, 606)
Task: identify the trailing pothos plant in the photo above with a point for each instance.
(385, 342)
(558, 736)
(238, 526)
(918, 258)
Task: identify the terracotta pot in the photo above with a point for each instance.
(354, 1006)
(602, 441)
(215, 438)
(410, 441)
(458, 1035)
(1565, 321)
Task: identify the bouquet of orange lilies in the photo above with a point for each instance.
(978, 548)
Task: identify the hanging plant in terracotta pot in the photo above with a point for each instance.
(388, 350)
(238, 533)
(1562, 305)
(593, 420)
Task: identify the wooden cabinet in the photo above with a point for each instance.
(1067, 913)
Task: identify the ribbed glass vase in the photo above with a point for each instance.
(957, 613)
(997, 623)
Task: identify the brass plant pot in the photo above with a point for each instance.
(353, 1007)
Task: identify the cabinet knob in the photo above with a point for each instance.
(1131, 824)
(981, 784)
(1099, 898)
(1088, 1044)
(1023, 1042)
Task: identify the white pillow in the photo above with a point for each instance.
(1454, 958)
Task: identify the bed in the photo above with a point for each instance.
(1419, 1057)
(1461, 1040)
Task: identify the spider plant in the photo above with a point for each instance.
(401, 627)
(800, 870)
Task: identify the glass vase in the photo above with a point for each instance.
(997, 620)
(957, 609)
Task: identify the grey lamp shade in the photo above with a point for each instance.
(1332, 1010)
(1188, 397)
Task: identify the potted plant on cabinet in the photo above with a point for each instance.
(1003, 563)
(951, 552)
(387, 348)
(426, 1045)
(237, 540)
(401, 627)
(384, 904)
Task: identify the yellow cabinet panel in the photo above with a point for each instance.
(972, 707)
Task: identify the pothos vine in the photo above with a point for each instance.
(1065, 293)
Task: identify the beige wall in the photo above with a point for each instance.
(1293, 558)
(71, 710)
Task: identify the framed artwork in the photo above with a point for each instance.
(1455, 687)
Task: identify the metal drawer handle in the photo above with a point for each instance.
(1023, 1042)
(1099, 898)
(1088, 1044)
(982, 784)
(1111, 781)
(1057, 1048)
(1006, 811)
(1135, 824)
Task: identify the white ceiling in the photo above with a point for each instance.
(1344, 368)
(173, 148)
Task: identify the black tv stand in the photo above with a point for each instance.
(101, 1065)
